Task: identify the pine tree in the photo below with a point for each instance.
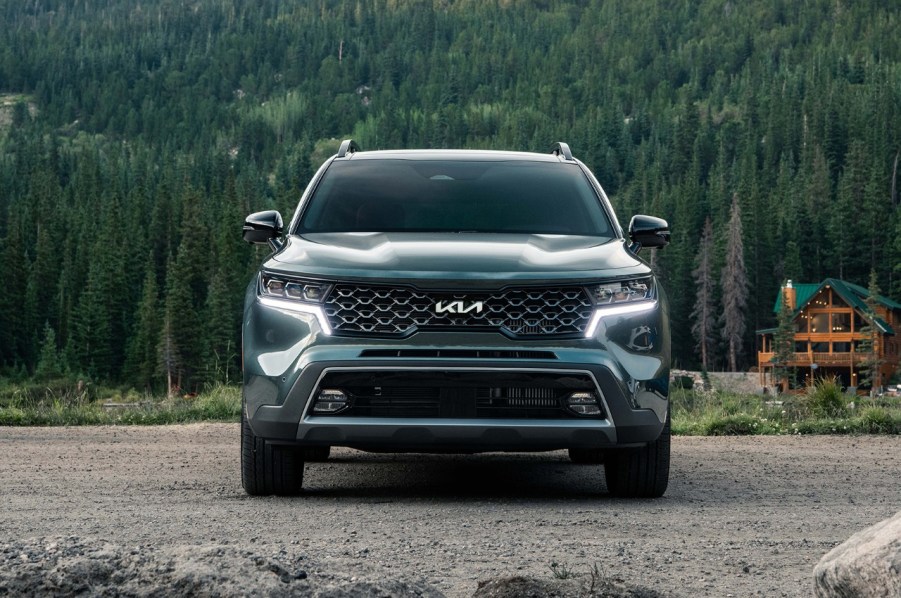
(186, 293)
(792, 269)
(89, 347)
(784, 342)
(871, 364)
(13, 323)
(49, 364)
(703, 314)
(169, 360)
(141, 360)
(735, 288)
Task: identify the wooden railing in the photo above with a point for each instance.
(802, 359)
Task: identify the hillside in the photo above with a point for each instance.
(156, 125)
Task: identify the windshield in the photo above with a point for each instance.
(455, 196)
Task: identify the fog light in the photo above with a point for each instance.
(330, 400)
(583, 403)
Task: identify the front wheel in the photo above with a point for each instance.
(268, 468)
(641, 472)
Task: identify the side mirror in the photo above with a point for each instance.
(263, 227)
(648, 231)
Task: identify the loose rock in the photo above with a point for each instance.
(72, 565)
(867, 564)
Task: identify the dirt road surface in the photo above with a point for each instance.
(743, 516)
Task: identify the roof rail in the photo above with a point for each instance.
(562, 149)
(348, 146)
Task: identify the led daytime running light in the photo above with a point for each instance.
(616, 310)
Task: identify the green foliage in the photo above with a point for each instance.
(825, 399)
(739, 425)
(872, 362)
(151, 128)
(49, 365)
(68, 403)
(823, 410)
(784, 340)
(561, 571)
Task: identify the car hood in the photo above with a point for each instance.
(449, 256)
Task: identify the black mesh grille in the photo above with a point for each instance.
(356, 309)
(450, 394)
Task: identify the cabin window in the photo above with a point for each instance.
(838, 301)
(800, 346)
(821, 300)
(841, 322)
(858, 322)
(819, 347)
(819, 323)
(841, 347)
(801, 323)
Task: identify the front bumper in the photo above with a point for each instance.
(286, 355)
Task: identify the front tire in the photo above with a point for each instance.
(268, 468)
(642, 472)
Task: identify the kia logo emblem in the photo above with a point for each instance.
(458, 307)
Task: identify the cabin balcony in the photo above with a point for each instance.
(821, 359)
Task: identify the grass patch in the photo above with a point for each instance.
(58, 404)
(823, 409)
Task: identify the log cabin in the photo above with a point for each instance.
(828, 318)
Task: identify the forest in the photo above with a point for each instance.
(135, 135)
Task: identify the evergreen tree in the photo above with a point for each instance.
(142, 356)
(169, 361)
(735, 288)
(792, 268)
(784, 342)
(13, 322)
(49, 364)
(871, 364)
(186, 294)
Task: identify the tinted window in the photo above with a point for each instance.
(448, 196)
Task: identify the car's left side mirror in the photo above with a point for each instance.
(263, 227)
(648, 231)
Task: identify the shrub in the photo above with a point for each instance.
(826, 399)
(876, 420)
(734, 425)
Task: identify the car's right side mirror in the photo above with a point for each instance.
(648, 231)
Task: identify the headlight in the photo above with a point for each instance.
(626, 291)
(300, 290)
(305, 296)
(620, 298)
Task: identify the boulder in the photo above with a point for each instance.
(867, 564)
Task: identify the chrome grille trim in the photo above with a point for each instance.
(361, 309)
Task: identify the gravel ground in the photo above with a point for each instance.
(743, 516)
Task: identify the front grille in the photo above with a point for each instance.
(397, 311)
(456, 394)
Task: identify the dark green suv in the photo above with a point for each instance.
(463, 301)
